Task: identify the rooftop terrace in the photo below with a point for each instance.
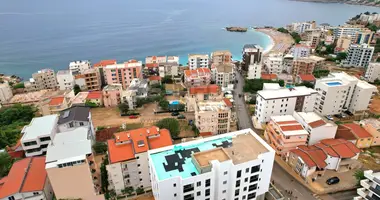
(212, 106)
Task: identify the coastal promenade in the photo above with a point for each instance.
(281, 42)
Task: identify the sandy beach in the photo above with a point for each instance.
(281, 42)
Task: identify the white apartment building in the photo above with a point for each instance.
(300, 51)
(236, 165)
(198, 61)
(317, 127)
(213, 117)
(37, 135)
(373, 72)
(253, 60)
(273, 64)
(173, 59)
(168, 69)
(346, 30)
(137, 89)
(358, 55)
(301, 27)
(370, 186)
(78, 67)
(43, 79)
(340, 92)
(128, 158)
(223, 75)
(65, 80)
(155, 59)
(5, 93)
(283, 101)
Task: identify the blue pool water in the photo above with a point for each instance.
(334, 83)
(159, 158)
(175, 102)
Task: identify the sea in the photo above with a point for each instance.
(36, 34)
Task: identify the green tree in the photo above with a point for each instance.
(19, 85)
(164, 104)
(306, 84)
(128, 190)
(5, 164)
(76, 89)
(100, 147)
(171, 124)
(167, 79)
(377, 82)
(123, 107)
(104, 175)
(282, 30)
(296, 37)
(139, 190)
(359, 175)
(281, 83)
(377, 45)
(320, 73)
(372, 27)
(91, 104)
(341, 56)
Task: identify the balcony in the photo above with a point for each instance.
(362, 192)
(365, 183)
(374, 190)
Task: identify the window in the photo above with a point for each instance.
(224, 182)
(11, 198)
(175, 194)
(188, 188)
(237, 192)
(252, 195)
(71, 124)
(207, 193)
(224, 191)
(81, 123)
(225, 173)
(252, 187)
(199, 184)
(246, 180)
(174, 184)
(237, 183)
(255, 168)
(198, 193)
(208, 182)
(238, 174)
(138, 165)
(253, 178)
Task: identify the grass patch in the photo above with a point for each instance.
(134, 126)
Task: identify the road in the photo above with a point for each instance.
(282, 180)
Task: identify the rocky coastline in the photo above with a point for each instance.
(352, 2)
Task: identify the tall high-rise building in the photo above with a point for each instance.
(198, 61)
(43, 79)
(373, 72)
(123, 73)
(358, 55)
(221, 57)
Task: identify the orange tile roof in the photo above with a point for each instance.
(26, 175)
(155, 78)
(291, 128)
(287, 122)
(205, 133)
(197, 72)
(317, 123)
(311, 156)
(357, 130)
(307, 77)
(341, 147)
(103, 63)
(55, 101)
(151, 65)
(227, 102)
(80, 76)
(95, 95)
(137, 141)
(268, 76)
(204, 89)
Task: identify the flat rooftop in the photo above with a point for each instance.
(177, 160)
(39, 126)
(212, 106)
(288, 125)
(366, 85)
(286, 92)
(334, 83)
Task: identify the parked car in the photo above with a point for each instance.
(332, 180)
(181, 117)
(329, 117)
(133, 116)
(175, 113)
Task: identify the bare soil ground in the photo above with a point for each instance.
(109, 117)
(375, 106)
(371, 158)
(185, 129)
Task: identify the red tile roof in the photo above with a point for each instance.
(155, 78)
(311, 155)
(95, 95)
(307, 77)
(268, 76)
(317, 123)
(137, 141)
(151, 65)
(80, 76)
(103, 63)
(204, 89)
(205, 133)
(55, 101)
(357, 130)
(197, 72)
(291, 128)
(26, 175)
(227, 102)
(287, 122)
(342, 148)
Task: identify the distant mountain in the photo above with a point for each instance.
(355, 2)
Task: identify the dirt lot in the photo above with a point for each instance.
(371, 158)
(347, 182)
(375, 106)
(185, 130)
(109, 117)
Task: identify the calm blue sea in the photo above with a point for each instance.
(37, 34)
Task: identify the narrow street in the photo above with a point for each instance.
(282, 180)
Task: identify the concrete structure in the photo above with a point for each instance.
(358, 55)
(343, 44)
(340, 92)
(370, 186)
(92, 79)
(300, 51)
(364, 36)
(173, 59)
(56, 105)
(303, 66)
(283, 101)
(331, 154)
(213, 117)
(319, 62)
(273, 64)
(75, 117)
(223, 75)
(100, 66)
(373, 72)
(198, 77)
(5, 93)
(65, 80)
(252, 54)
(284, 133)
(37, 135)
(221, 57)
(372, 126)
(317, 127)
(155, 59)
(137, 89)
(123, 73)
(168, 69)
(79, 99)
(79, 66)
(111, 95)
(128, 157)
(346, 30)
(202, 93)
(80, 80)
(26, 180)
(355, 134)
(43, 79)
(71, 166)
(313, 37)
(197, 61)
(236, 165)
(301, 27)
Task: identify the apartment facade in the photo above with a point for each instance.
(346, 30)
(358, 55)
(283, 101)
(92, 79)
(221, 57)
(300, 51)
(370, 186)
(273, 64)
(79, 66)
(364, 36)
(223, 75)
(5, 93)
(168, 69)
(71, 166)
(111, 95)
(317, 127)
(340, 92)
(37, 135)
(155, 59)
(26, 180)
(100, 67)
(373, 72)
(355, 134)
(43, 79)
(202, 93)
(372, 126)
(252, 55)
(303, 66)
(213, 117)
(198, 61)
(128, 157)
(234, 165)
(123, 73)
(342, 44)
(197, 77)
(65, 80)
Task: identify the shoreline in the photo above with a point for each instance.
(281, 42)
(340, 2)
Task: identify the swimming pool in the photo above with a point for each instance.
(334, 83)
